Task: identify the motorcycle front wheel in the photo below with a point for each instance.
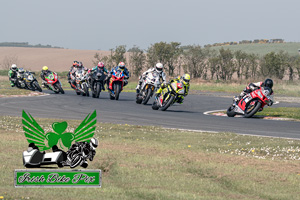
(167, 104)
(230, 111)
(76, 160)
(117, 90)
(37, 86)
(148, 95)
(98, 90)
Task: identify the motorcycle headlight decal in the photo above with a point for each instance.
(260, 95)
(181, 91)
(174, 86)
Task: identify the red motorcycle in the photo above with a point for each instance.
(53, 83)
(116, 84)
(250, 103)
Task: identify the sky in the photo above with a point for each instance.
(103, 25)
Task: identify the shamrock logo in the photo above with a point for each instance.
(35, 134)
(58, 136)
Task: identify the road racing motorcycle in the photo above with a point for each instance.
(53, 83)
(168, 96)
(27, 80)
(116, 84)
(250, 103)
(81, 83)
(97, 82)
(148, 88)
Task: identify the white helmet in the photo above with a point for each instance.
(14, 67)
(159, 67)
(94, 143)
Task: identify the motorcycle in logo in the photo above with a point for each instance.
(40, 141)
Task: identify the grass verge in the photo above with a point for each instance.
(153, 163)
(285, 112)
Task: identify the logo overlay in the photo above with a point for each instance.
(65, 149)
(57, 178)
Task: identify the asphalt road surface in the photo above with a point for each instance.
(188, 115)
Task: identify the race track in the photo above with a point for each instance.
(189, 115)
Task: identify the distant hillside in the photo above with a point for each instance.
(25, 44)
(262, 49)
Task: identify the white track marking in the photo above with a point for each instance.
(212, 111)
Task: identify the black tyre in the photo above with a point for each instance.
(60, 165)
(252, 109)
(76, 160)
(98, 90)
(59, 88)
(139, 99)
(84, 93)
(78, 92)
(117, 90)
(148, 95)
(230, 111)
(167, 104)
(155, 106)
(37, 86)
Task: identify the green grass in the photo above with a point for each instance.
(141, 162)
(282, 88)
(285, 112)
(262, 49)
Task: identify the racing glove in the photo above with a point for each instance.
(270, 103)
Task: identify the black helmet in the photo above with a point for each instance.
(268, 83)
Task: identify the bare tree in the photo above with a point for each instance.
(8, 61)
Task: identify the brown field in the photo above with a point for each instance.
(56, 59)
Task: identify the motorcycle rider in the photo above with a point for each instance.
(89, 149)
(12, 74)
(184, 79)
(122, 67)
(99, 68)
(254, 86)
(44, 73)
(158, 68)
(71, 77)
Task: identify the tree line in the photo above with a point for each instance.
(204, 62)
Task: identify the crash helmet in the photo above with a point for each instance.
(75, 63)
(45, 69)
(94, 143)
(121, 65)
(13, 67)
(21, 71)
(185, 79)
(79, 65)
(100, 64)
(268, 83)
(159, 67)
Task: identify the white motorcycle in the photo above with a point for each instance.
(149, 86)
(81, 83)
